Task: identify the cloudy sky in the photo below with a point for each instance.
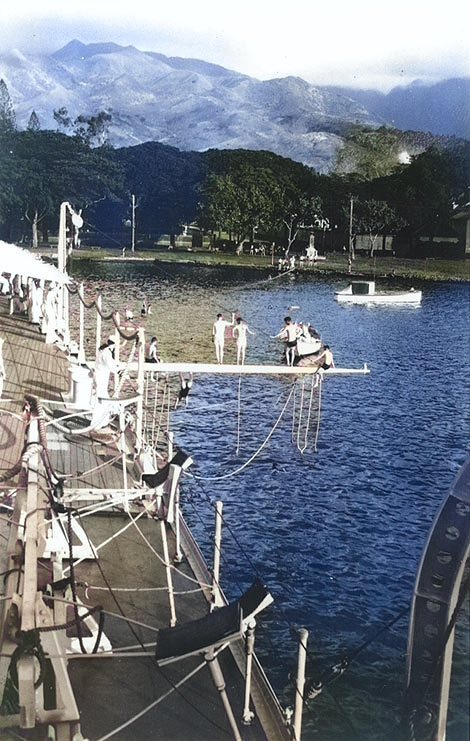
(364, 43)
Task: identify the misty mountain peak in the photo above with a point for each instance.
(195, 105)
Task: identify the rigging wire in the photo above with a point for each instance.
(130, 623)
(162, 560)
(319, 377)
(174, 687)
(255, 454)
(300, 414)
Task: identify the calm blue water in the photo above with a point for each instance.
(335, 534)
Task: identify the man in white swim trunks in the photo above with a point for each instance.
(240, 332)
(218, 333)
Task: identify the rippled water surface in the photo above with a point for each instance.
(336, 534)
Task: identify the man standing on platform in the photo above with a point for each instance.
(218, 333)
(240, 331)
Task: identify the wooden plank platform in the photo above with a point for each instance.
(31, 366)
(35, 368)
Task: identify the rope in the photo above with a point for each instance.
(294, 407)
(138, 590)
(153, 704)
(301, 408)
(314, 688)
(162, 560)
(255, 454)
(319, 381)
(307, 426)
(125, 372)
(29, 644)
(165, 391)
(238, 414)
(81, 475)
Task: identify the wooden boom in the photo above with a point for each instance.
(245, 370)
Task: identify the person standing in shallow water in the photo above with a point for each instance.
(240, 332)
(218, 333)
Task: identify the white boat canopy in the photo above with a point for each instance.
(19, 261)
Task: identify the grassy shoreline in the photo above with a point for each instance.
(426, 269)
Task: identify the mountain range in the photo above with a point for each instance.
(194, 105)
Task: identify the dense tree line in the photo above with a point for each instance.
(234, 196)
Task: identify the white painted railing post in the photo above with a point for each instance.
(98, 324)
(26, 668)
(169, 580)
(122, 428)
(81, 336)
(219, 682)
(248, 714)
(140, 389)
(299, 694)
(63, 308)
(217, 599)
(117, 353)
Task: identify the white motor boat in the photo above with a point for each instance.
(364, 292)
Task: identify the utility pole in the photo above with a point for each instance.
(351, 241)
(133, 225)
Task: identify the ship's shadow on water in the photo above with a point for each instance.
(336, 534)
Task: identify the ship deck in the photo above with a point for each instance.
(174, 701)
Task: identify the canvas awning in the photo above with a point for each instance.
(19, 261)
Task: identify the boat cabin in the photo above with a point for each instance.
(363, 288)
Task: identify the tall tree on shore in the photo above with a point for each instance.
(240, 203)
(297, 210)
(50, 168)
(376, 218)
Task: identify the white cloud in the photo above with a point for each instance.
(363, 43)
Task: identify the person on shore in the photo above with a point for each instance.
(186, 386)
(145, 309)
(218, 333)
(240, 332)
(289, 333)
